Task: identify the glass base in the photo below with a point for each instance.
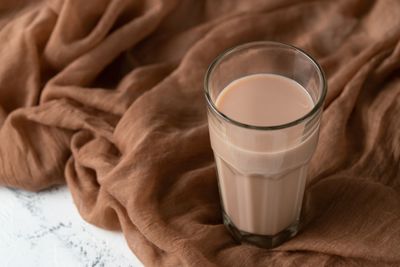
(264, 241)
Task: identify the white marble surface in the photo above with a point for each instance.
(45, 229)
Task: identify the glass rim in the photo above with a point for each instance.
(237, 48)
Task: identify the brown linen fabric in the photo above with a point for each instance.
(107, 97)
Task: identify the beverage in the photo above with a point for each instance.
(261, 181)
(264, 106)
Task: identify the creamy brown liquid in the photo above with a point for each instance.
(262, 173)
(264, 100)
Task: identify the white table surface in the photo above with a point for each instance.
(45, 229)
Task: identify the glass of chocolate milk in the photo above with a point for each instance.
(264, 103)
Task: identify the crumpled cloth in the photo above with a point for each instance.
(107, 97)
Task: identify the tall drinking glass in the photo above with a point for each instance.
(262, 169)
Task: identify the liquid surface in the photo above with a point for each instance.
(264, 100)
